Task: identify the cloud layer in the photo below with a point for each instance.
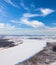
(8, 26)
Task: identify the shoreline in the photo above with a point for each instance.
(26, 51)
(44, 57)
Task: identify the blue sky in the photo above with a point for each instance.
(27, 17)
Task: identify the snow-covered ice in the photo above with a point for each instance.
(14, 55)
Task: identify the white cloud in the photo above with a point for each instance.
(30, 15)
(1, 25)
(25, 20)
(4, 25)
(35, 23)
(46, 11)
(10, 2)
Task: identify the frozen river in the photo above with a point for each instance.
(14, 55)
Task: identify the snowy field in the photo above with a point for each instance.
(14, 55)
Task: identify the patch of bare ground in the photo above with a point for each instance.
(5, 43)
(45, 57)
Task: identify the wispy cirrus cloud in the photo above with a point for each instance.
(10, 2)
(30, 15)
(24, 6)
(2, 11)
(25, 20)
(45, 11)
(32, 6)
(13, 21)
(34, 23)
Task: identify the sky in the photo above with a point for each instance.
(32, 17)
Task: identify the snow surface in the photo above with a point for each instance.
(14, 55)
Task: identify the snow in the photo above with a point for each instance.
(14, 55)
(53, 63)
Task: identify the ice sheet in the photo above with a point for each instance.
(14, 55)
